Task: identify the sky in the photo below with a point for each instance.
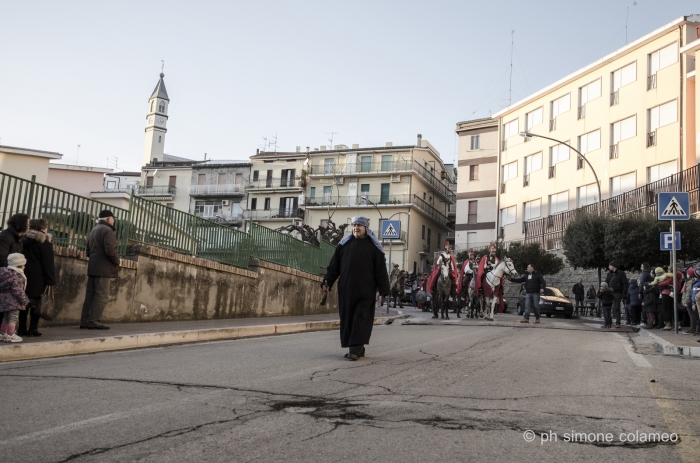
(368, 72)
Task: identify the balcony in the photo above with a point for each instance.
(651, 139)
(582, 112)
(441, 188)
(360, 168)
(431, 212)
(526, 179)
(503, 187)
(552, 125)
(504, 145)
(552, 171)
(651, 81)
(358, 201)
(614, 151)
(217, 190)
(614, 98)
(275, 183)
(274, 214)
(163, 192)
(225, 219)
(579, 163)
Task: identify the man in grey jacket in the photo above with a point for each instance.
(103, 266)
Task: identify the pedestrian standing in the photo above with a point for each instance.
(591, 298)
(534, 286)
(12, 296)
(607, 300)
(649, 307)
(11, 237)
(579, 291)
(359, 265)
(635, 303)
(617, 281)
(688, 302)
(666, 290)
(37, 248)
(103, 266)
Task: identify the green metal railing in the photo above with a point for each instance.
(71, 218)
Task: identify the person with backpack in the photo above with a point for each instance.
(606, 296)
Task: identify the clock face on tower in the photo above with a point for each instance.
(160, 120)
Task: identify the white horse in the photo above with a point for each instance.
(443, 288)
(494, 278)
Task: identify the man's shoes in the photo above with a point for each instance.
(34, 333)
(362, 352)
(524, 321)
(537, 320)
(22, 332)
(352, 357)
(97, 326)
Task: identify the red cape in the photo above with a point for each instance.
(436, 272)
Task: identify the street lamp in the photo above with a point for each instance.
(530, 134)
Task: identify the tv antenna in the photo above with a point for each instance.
(162, 65)
(332, 134)
(510, 80)
(76, 155)
(627, 14)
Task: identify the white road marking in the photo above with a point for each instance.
(638, 359)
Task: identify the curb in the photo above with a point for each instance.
(40, 350)
(667, 348)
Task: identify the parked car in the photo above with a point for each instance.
(552, 302)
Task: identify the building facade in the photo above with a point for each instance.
(24, 162)
(79, 180)
(406, 183)
(218, 190)
(477, 202)
(632, 114)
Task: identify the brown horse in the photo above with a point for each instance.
(396, 290)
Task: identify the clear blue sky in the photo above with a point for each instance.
(81, 72)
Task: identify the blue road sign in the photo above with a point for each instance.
(391, 229)
(674, 206)
(667, 241)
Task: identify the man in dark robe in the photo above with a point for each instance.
(360, 266)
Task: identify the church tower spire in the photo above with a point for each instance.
(156, 120)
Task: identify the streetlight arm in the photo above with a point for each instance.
(600, 196)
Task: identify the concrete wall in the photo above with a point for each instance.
(25, 166)
(80, 180)
(163, 285)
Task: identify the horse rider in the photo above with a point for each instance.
(485, 264)
(445, 255)
(491, 259)
(394, 272)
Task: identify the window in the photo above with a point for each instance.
(253, 204)
(623, 183)
(533, 163)
(152, 105)
(663, 58)
(660, 171)
(384, 193)
(533, 118)
(531, 209)
(312, 194)
(561, 105)
(365, 163)
(207, 208)
(267, 204)
(510, 129)
(173, 181)
(471, 211)
(422, 232)
(268, 179)
(428, 240)
(386, 162)
(256, 175)
(111, 185)
(474, 172)
(624, 129)
(587, 194)
(558, 202)
(364, 193)
(201, 179)
(149, 181)
(221, 180)
(238, 180)
(471, 239)
(589, 142)
(474, 142)
(328, 165)
(662, 115)
(589, 92)
(508, 215)
(161, 106)
(327, 192)
(622, 77)
(510, 171)
(287, 177)
(288, 206)
(159, 138)
(558, 153)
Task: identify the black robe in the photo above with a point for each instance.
(360, 268)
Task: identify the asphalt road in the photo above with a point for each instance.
(453, 391)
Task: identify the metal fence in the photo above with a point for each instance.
(71, 218)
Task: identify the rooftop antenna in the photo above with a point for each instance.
(162, 65)
(76, 155)
(510, 81)
(331, 139)
(627, 14)
(274, 142)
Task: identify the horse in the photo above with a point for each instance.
(494, 278)
(396, 289)
(443, 289)
(468, 293)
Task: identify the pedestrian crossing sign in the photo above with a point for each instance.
(674, 206)
(391, 229)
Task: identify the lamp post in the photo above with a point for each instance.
(597, 182)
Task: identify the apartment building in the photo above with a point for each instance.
(218, 190)
(632, 114)
(477, 202)
(408, 183)
(276, 188)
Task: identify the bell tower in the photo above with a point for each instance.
(156, 120)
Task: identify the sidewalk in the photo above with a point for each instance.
(670, 343)
(71, 340)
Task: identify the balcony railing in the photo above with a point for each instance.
(614, 151)
(275, 183)
(354, 201)
(224, 219)
(651, 81)
(126, 189)
(579, 163)
(360, 167)
(614, 98)
(442, 188)
(503, 187)
(431, 211)
(526, 179)
(552, 171)
(217, 190)
(504, 145)
(271, 214)
(160, 190)
(552, 124)
(651, 139)
(582, 112)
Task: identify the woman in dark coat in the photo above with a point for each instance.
(635, 303)
(11, 237)
(40, 272)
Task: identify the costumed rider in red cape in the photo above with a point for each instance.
(487, 264)
(433, 278)
(465, 277)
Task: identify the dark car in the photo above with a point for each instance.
(552, 302)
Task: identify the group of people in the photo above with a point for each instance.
(27, 271)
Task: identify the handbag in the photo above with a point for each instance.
(47, 304)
